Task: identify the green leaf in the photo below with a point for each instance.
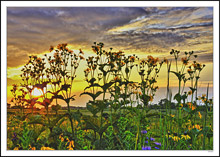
(126, 70)
(107, 85)
(92, 85)
(92, 80)
(94, 110)
(178, 97)
(94, 96)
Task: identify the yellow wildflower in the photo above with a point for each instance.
(46, 148)
(197, 127)
(190, 92)
(71, 145)
(171, 115)
(176, 138)
(200, 115)
(186, 137)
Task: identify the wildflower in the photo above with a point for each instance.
(165, 60)
(135, 92)
(156, 148)
(122, 63)
(143, 131)
(16, 148)
(157, 143)
(46, 148)
(71, 145)
(190, 92)
(200, 115)
(81, 57)
(152, 139)
(81, 52)
(146, 148)
(181, 105)
(171, 115)
(185, 136)
(197, 127)
(132, 58)
(51, 48)
(116, 78)
(32, 148)
(175, 137)
(189, 71)
(87, 70)
(185, 60)
(191, 106)
(151, 98)
(146, 142)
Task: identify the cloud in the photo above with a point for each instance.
(137, 30)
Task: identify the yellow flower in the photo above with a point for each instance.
(185, 60)
(190, 92)
(171, 115)
(200, 115)
(81, 57)
(197, 127)
(80, 51)
(51, 48)
(132, 58)
(116, 78)
(181, 105)
(186, 137)
(46, 148)
(151, 98)
(16, 148)
(176, 138)
(71, 145)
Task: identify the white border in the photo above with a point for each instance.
(4, 5)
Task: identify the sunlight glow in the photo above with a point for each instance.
(36, 92)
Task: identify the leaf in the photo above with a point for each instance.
(92, 80)
(93, 85)
(179, 76)
(65, 87)
(92, 109)
(107, 85)
(94, 96)
(58, 97)
(186, 109)
(192, 89)
(177, 97)
(126, 70)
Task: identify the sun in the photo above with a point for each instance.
(36, 92)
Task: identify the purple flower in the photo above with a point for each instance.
(156, 148)
(157, 143)
(146, 148)
(152, 139)
(14, 137)
(143, 131)
(146, 141)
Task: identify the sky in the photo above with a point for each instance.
(134, 30)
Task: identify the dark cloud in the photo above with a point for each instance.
(31, 30)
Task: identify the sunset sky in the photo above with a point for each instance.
(141, 31)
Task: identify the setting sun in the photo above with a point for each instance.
(36, 92)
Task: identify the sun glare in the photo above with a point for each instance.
(36, 92)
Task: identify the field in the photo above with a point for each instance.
(119, 115)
